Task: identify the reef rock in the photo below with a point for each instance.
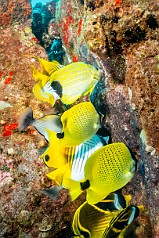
(121, 39)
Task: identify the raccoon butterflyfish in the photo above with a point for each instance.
(91, 222)
(67, 83)
(79, 124)
(75, 158)
(121, 221)
(108, 169)
(51, 122)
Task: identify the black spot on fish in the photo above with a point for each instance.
(152, 22)
(60, 135)
(85, 185)
(47, 158)
(57, 87)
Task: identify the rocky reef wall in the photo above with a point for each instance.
(121, 39)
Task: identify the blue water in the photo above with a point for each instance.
(33, 2)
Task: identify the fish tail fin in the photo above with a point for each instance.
(52, 192)
(26, 119)
(73, 187)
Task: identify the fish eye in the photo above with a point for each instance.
(60, 135)
(47, 158)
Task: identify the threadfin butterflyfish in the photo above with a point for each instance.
(75, 158)
(108, 169)
(51, 122)
(67, 83)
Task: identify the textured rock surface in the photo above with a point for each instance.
(14, 11)
(122, 36)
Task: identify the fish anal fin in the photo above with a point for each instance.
(88, 91)
(71, 99)
(93, 197)
(58, 174)
(73, 187)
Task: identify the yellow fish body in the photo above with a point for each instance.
(108, 169)
(51, 122)
(106, 222)
(67, 83)
(73, 157)
(121, 221)
(79, 124)
(92, 220)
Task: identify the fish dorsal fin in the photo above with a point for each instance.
(49, 67)
(39, 76)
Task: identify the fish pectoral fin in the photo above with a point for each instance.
(49, 67)
(73, 187)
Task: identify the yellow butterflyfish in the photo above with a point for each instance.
(67, 83)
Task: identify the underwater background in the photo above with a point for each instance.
(119, 38)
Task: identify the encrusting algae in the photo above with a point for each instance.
(82, 159)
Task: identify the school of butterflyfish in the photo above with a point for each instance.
(80, 158)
